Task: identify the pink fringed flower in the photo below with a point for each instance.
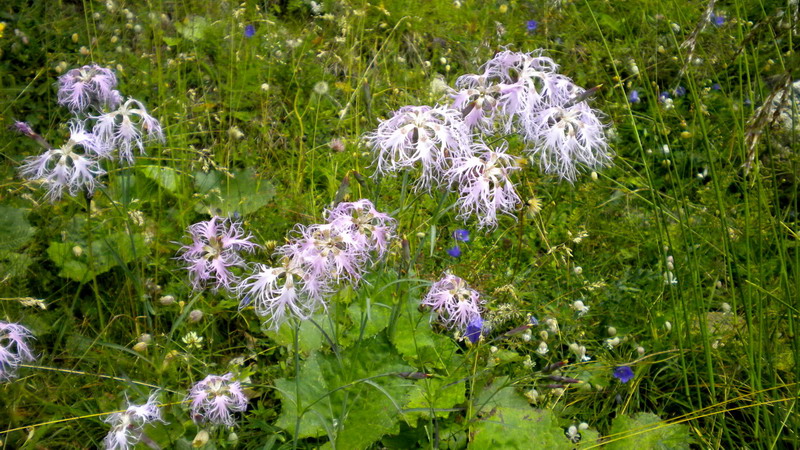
(483, 184)
(127, 127)
(363, 226)
(72, 167)
(214, 250)
(127, 426)
(14, 349)
(91, 85)
(454, 301)
(419, 136)
(214, 400)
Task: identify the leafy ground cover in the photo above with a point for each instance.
(399, 224)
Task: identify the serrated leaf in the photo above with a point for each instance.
(106, 253)
(243, 193)
(647, 430)
(15, 231)
(416, 341)
(353, 399)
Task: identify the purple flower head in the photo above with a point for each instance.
(679, 91)
(126, 127)
(419, 136)
(623, 374)
(482, 181)
(91, 85)
(279, 292)
(455, 302)
(363, 226)
(531, 25)
(74, 166)
(14, 348)
(127, 426)
(214, 250)
(461, 235)
(23, 128)
(474, 329)
(633, 97)
(567, 138)
(327, 255)
(214, 400)
(249, 31)
(454, 251)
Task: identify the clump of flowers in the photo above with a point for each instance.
(116, 128)
(318, 258)
(214, 251)
(127, 427)
(215, 399)
(14, 348)
(455, 302)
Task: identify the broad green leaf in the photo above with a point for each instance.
(15, 231)
(244, 192)
(506, 420)
(419, 345)
(81, 265)
(193, 28)
(434, 397)
(354, 399)
(14, 264)
(166, 177)
(647, 430)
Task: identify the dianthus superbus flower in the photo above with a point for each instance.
(72, 167)
(454, 301)
(14, 348)
(362, 225)
(126, 127)
(214, 400)
(127, 426)
(483, 184)
(215, 248)
(419, 136)
(90, 85)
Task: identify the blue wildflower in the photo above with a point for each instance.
(623, 374)
(249, 31)
(461, 235)
(633, 97)
(454, 251)
(717, 20)
(534, 321)
(663, 96)
(532, 25)
(716, 87)
(679, 91)
(474, 329)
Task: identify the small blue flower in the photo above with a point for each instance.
(461, 235)
(534, 321)
(623, 374)
(249, 31)
(454, 251)
(633, 97)
(716, 87)
(532, 25)
(679, 91)
(663, 96)
(474, 329)
(717, 20)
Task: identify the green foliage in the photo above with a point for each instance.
(102, 254)
(242, 192)
(647, 430)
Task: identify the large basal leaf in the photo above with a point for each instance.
(242, 193)
(647, 430)
(506, 420)
(106, 252)
(435, 397)
(354, 399)
(166, 177)
(419, 345)
(15, 231)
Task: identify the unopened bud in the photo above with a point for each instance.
(167, 300)
(195, 316)
(201, 439)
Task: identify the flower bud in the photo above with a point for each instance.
(167, 300)
(201, 439)
(195, 316)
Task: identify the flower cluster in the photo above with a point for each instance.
(515, 93)
(119, 126)
(14, 348)
(214, 400)
(318, 258)
(215, 249)
(457, 305)
(127, 426)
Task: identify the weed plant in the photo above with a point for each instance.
(275, 273)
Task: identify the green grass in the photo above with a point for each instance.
(709, 184)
